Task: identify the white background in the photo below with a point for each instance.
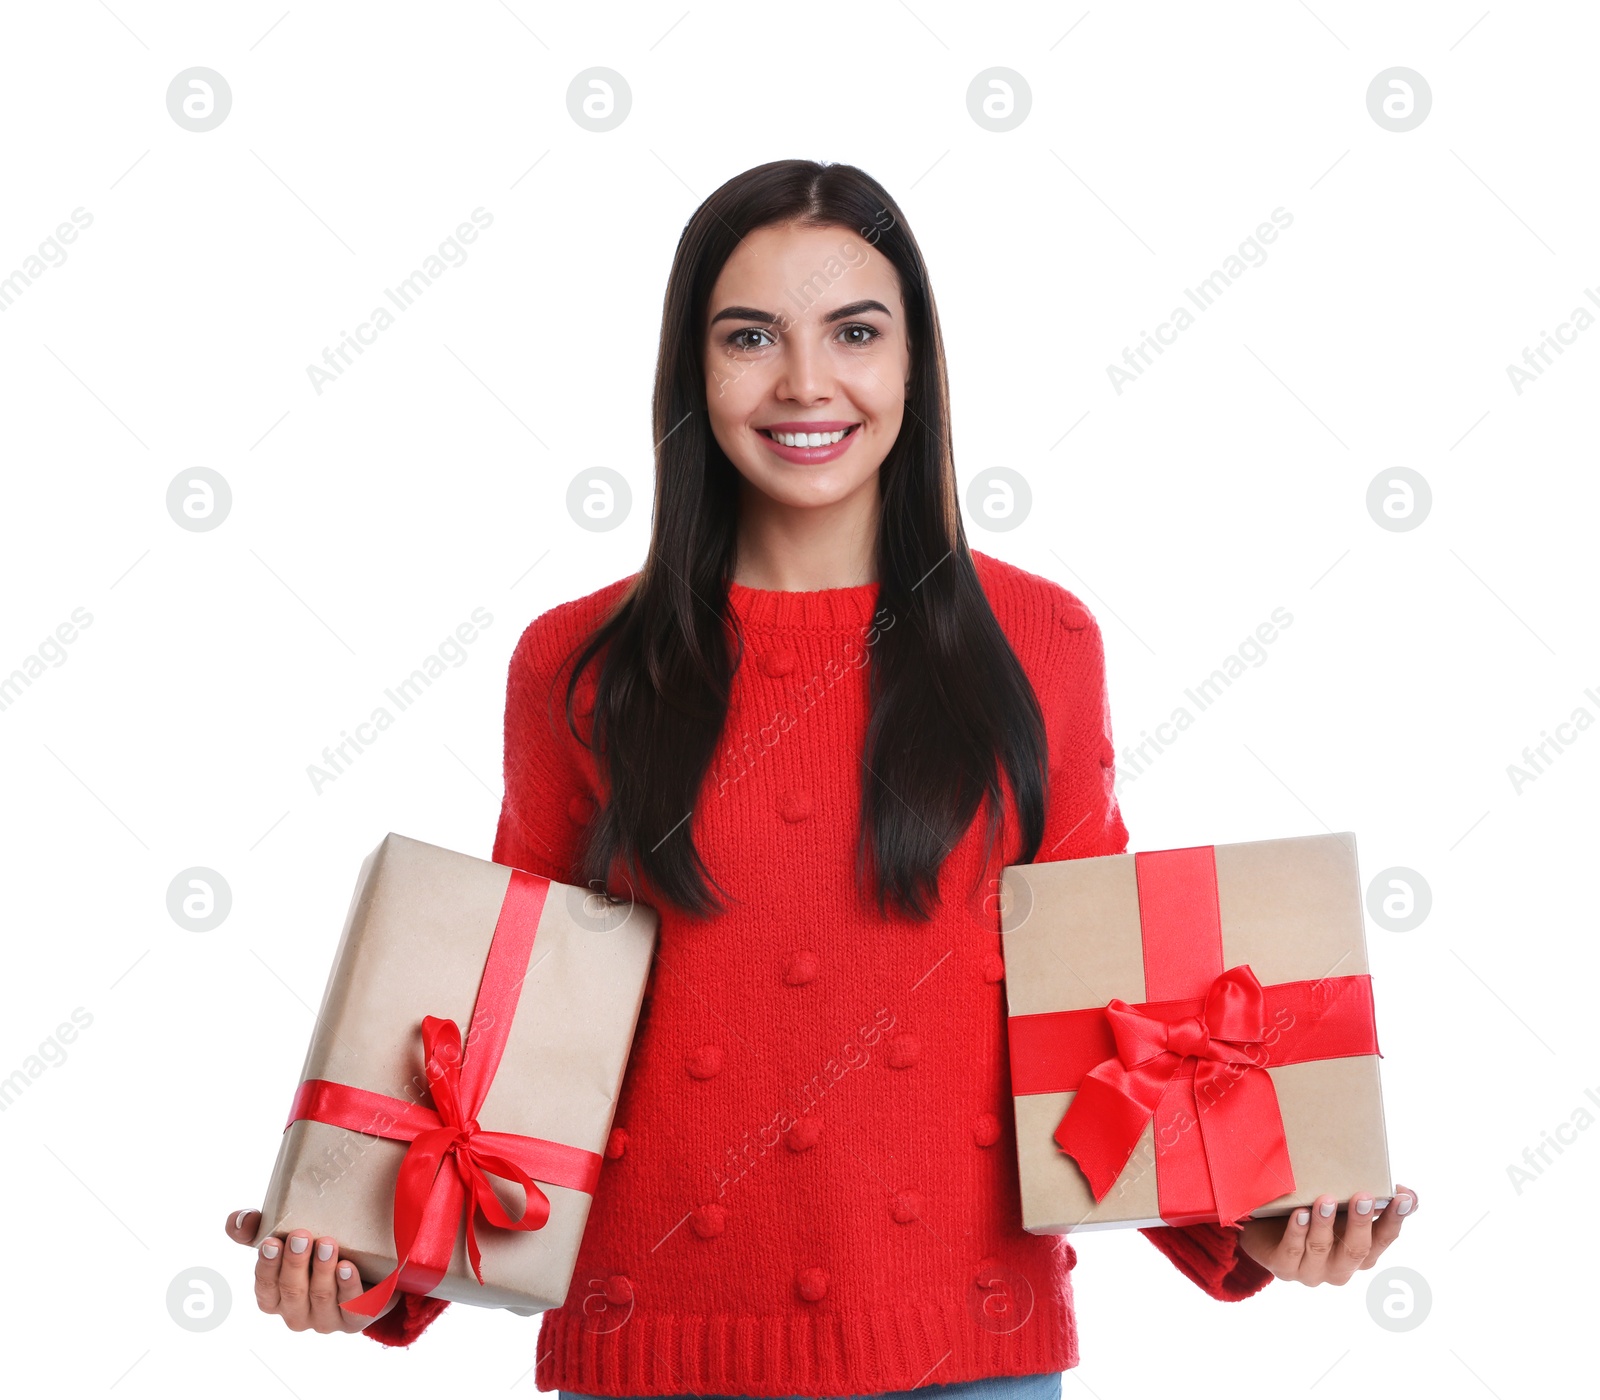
(370, 520)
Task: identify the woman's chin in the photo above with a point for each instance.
(804, 488)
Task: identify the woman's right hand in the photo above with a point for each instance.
(303, 1279)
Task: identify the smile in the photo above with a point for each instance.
(799, 442)
(806, 439)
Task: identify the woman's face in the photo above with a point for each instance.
(806, 334)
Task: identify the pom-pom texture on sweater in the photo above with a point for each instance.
(811, 1184)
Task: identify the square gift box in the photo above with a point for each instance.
(1191, 1034)
(461, 1079)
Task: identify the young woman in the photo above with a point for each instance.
(809, 732)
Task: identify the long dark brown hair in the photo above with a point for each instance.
(950, 705)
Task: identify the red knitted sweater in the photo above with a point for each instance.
(811, 1184)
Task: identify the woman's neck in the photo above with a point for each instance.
(802, 549)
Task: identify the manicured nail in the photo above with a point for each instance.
(1405, 1204)
(344, 1271)
(1364, 1205)
(1326, 1209)
(238, 1220)
(298, 1243)
(325, 1250)
(1303, 1218)
(269, 1249)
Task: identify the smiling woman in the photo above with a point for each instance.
(926, 715)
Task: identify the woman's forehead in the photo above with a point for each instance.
(823, 267)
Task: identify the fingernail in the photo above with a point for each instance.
(269, 1249)
(1381, 1202)
(1405, 1204)
(324, 1250)
(1326, 1209)
(344, 1271)
(1303, 1218)
(238, 1220)
(1364, 1205)
(298, 1243)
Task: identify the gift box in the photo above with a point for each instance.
(461, 1078)
(1191, 1034)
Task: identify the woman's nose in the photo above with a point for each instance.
(806, 376)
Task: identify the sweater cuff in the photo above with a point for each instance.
(1211, 1257)
(406, 1320)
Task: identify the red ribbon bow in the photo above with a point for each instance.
(460, 1140)
(430, 1201)
(1213, 1061)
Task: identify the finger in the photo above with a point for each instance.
(1291, 1251)
(1319, 1240)
(322, 1290)
(1355, 1243)
(269, 1258)
(294, 1281)
(350, 1287)
(243, 1224)
(1387, 1230)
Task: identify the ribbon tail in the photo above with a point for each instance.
(474, 1254)
(420, 1172)
(1241, 1126)
(420, 1243)
(1107, 1116)
(423, 1265)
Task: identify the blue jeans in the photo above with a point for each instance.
(1040, 1387)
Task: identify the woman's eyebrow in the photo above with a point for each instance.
(856, 308)
(743, 313)
(749, 313)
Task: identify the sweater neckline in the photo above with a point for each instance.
(819, 609)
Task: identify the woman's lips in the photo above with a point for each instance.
(810, 456)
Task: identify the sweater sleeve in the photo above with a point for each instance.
(549, 775)
(1085, 820)
(541, 821)
(1211, 1257)
(405, 1321)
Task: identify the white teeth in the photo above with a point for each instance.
(808, 439)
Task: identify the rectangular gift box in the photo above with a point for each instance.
(551, 1027)
(1137, 1041)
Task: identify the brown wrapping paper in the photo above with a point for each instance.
(414, 944)
(1292, 909)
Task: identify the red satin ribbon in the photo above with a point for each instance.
(1194, 1058)
(430, 1201)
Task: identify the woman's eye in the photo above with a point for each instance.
(756, 338)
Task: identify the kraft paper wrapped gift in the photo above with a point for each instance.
(470, 1045)
(1191, 1034)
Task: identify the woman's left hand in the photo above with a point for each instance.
(1326, 1243)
